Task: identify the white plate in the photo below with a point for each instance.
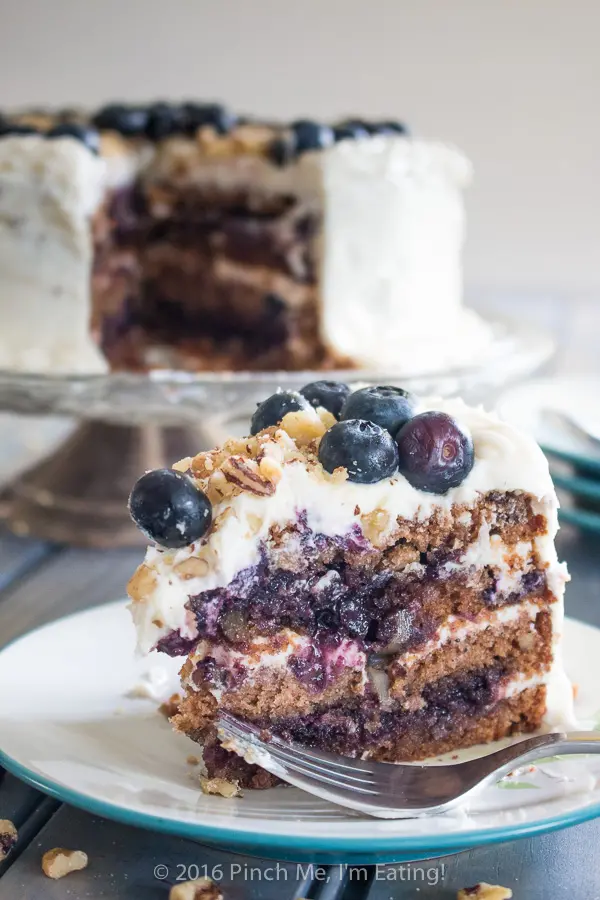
(68, 727)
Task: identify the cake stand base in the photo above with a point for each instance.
(78, 494)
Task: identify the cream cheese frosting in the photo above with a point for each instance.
(49, 190)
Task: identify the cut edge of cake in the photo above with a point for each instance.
(375, 619)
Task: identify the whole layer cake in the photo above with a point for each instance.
(183, 236)
(385, 585)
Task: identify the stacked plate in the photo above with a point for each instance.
(563, 414)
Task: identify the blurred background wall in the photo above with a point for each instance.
(514, 82)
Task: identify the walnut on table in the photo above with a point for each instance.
(59, 862)
(201, 889)
(484, 891)
(8, 837)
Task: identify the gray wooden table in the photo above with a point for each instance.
(39, 582)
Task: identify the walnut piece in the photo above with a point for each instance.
(183, 465)
(485, 891)
(192, 567)
(141, 584)
(201, 889)
(303, 426)
(170, 707)
(245, 473)
(60, 862)
(220, 786)
(8, 837)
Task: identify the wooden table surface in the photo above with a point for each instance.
(40, 582)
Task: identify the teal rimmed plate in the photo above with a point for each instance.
(77, 728)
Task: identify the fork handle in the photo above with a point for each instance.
(534, 748)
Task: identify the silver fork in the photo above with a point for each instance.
(389, 790)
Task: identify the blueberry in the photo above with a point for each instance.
(311, 135)
(282, 150)
(272, 410)
(88, 136)
(435, 453)
(387, 406)
(196, 115)
(366, 450)
(388, 128)
(169, 509)
(350, 129)
(164, 120)
(14, 128)
(329, 394)
(130, 121)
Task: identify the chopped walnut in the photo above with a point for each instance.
(245, 473)
(170, 707)
(142, 583)
(303, 426)
(192, 567)
(193, 761)
(183, 465)
(8, 837)
(484, 891)
(220, 786)
(201, 889)
(375, 527)
(203, 465)
(60, 862)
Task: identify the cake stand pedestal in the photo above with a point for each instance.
(78, 494)
(132, 422)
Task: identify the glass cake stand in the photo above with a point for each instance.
(131, 422)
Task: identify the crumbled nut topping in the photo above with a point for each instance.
(220, 786)
(303, 427)
(59, 862)
(484, 891)
(183, 465)
(192, 567)
(245, 473)
(142, 583)
(8, 837)
(170, 707)
(201, 889)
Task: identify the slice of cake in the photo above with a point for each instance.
(182, 236)
(383, 585)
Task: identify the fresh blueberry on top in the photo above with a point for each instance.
(164, 120)
(329, 394)
(196, 115)
(350, 129)
(435, 453)
(272, 410)
(388, 128)
(169, 509)
(16, 129)
(366, 450)
(282, 150)
(311, 135)
(387, 406)
(88, 136)
(130, 121)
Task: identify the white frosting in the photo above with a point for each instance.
(49, 189)
(391, 255)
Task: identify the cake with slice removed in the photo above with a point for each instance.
(365, 572)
